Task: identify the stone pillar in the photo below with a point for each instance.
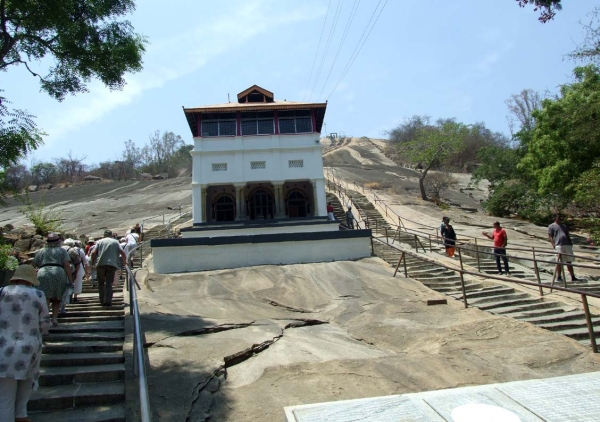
(240, 201)
(279, 203)
(319, 197)
(203, 202)
(197, 203)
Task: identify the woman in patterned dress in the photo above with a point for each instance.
(23, 319)
(54, 272)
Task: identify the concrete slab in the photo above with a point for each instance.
(560, 399)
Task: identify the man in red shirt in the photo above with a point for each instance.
(500, 241)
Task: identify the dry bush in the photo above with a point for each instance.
(373, 185)
(436, 183)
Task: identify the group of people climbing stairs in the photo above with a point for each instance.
(83, 362)
(483, 293)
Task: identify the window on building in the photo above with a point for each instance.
(295, 121)
(255, 165)
(296, 163)
(219, 166)
(258, 123)
(218, 124)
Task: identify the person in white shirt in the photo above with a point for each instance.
(130, 245)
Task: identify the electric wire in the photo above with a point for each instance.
(317, 52)
(359, 47)
(343, 39)
(327, 45)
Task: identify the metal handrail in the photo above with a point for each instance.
(539, 285)
(163, 217)
(139, 367)
(169, 227)
(380, 201)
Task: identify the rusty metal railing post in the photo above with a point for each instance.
(386, 236)
(477, 253)
(588, 320)
(462, 278)
(537, 272)
(399, 262)
(405, 269)
(372, 247)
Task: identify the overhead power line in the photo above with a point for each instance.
(327, 45)
(359, 45)
(343, 39)
(317, 52)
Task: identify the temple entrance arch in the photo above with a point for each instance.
(297, 204)
(224, 208)
(261, 205)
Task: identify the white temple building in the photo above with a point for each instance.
(257, 158)
(258, 190)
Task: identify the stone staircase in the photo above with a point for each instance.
(82, 369)
(482, 293)
(338, 209)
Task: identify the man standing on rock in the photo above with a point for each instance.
(561, 242)
(350, 218)
(500, 241)
(107, 252)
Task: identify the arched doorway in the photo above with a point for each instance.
(261, 205)
(297, 204)
(224, 208)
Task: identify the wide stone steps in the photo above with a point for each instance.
(76, 395)
(82, 369)
(60, 375)
(110, 413)
(81, 359)
(486, 295)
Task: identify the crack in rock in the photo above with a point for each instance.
(255, 349)
(203, 395)
(289, 308)
(201, 332)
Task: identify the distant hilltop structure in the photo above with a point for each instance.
(257, 158)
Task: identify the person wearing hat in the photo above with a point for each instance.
(54, 272)
(106, 256)
(91, 242)
(23, 319)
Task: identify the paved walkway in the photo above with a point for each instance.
(572, 398)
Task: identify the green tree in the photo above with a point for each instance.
(44, 173)
(566, 141)
(85, 39)
(18, 136)
(433, 145)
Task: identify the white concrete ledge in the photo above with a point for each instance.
(274, 228)
(201, 254)
(561, 399)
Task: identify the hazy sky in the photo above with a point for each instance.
(442, 58)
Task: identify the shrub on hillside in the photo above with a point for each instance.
(45, 220)
(373, 185)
